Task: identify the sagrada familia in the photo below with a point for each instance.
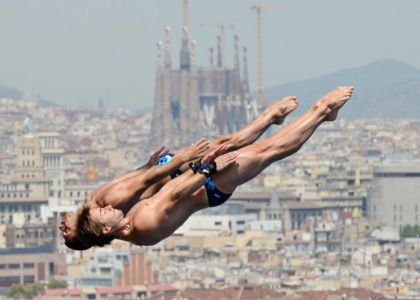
(192, 101)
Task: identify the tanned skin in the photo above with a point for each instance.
(157, 217)
(127, 190)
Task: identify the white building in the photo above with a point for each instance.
(216, 225)
(395, 196)
(103, 267)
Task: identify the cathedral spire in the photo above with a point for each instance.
(159, 55)
(245, 80)
(219, 52)
(211, 50)
(193, 52)
(236, 58)
(236, 68)
(158, 103)
(185, 55)
(185, 14)
(167, 55)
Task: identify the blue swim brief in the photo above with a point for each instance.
(163, 160)
(214, 196)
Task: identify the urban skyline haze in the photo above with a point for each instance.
(72, 52)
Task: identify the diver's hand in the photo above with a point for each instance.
(195, 151)
(155, 156)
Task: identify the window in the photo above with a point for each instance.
(241, 222)
(28, 265)
(28, 279)
(217, 223)
(51, 267)
(14, 266)
(105, 270)
(6, 281)
(2, 266)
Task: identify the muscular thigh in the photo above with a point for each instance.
(250, 162)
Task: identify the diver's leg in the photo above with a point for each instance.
(274, 114)
(256, 157)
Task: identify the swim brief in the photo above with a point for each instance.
(164, 159)
(214, 196)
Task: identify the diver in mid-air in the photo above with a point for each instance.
(127, 190)
(208, 182)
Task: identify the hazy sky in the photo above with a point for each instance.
(74, 51)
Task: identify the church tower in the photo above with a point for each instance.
(192, 101)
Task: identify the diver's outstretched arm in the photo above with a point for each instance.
(125, 191)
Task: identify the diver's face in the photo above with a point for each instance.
(107, 216)
(68, 225)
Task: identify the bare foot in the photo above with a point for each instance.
(334, 100)
(279, 110)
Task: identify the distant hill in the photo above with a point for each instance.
(386, 88)
(7, 92)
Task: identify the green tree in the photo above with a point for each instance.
(31, 290)
(16, 291)
(409, 231)
(57, 284)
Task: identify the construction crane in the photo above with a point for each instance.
(221, 26)
(258, 7)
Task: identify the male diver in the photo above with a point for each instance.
(208, 183)
(127, 190)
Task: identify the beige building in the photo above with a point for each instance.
(23, 193)
(29, 265)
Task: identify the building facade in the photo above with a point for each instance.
(29, 265)
(394, 198)
(23, 193)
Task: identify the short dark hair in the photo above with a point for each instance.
(89, 231)
(76, 244)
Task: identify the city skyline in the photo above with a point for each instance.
(107, 49)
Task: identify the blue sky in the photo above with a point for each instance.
(73, 51)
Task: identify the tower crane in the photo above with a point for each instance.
(258, 7)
